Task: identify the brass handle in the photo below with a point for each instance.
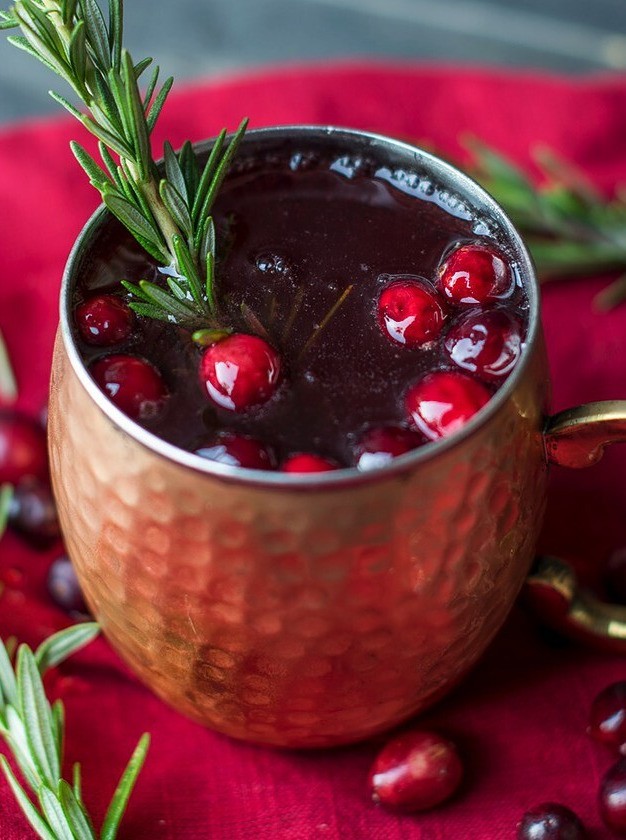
(577, 438)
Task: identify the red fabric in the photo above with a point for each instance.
(521, 716)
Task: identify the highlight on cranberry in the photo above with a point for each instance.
(442, 402)
(240, 371)
(307, 463)
(381, 444)
(237, 451)
(607, 720)
(104, 320)
(416, 771)
(550, 821)
(311, 351)
(411, 312)
(487, 343)
(132, 384)
(475, 273)
(612, 797)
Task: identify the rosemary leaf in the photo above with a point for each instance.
(159, 102)
(140, 67)
(78, 817)
(32, 815)
(8, 685)
(116, 809)
(66, 104)
(205, 178)
(54, 814)
(23, 44)
(149, 92)
(116, 31)
(78, 51)
(58, 726)
(174, 174)
(58, 647)
(177, 207)
(140, 133)
(97, 176)
(131, 218)
(188, 269)
(35, 712)
(97, 33)
(181, 312)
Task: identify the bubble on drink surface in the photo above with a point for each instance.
(421, 186)
(304, 161)
(350, 166)
(273, 264)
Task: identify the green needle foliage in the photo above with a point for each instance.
(568, 226)
(167, 212)
(33, 729)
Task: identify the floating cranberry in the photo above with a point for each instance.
(475, 274)
(33, 513)
(416, 771)
(488, 344)
(307, 463)
(64, 588)
(237, 451)
(132, 384)
(104, 320)
(442, 402)
(411, 312)
(379, 445)
(23, 450)
(615, 576)
(607, 722)
(240, 371)
(612, 798)
(550, 821)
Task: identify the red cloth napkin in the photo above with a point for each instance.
(520, 718)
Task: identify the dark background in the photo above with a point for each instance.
(200, 38)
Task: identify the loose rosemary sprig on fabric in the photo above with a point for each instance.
(568, 226)
(34, 732)
(168, 213)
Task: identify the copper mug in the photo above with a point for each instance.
(314, 610)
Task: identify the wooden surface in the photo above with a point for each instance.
(193, 38)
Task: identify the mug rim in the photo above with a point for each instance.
(443, 171)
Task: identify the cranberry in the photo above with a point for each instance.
(615, 576)
(612, 798)
(550, 821)
(33, 513)
(377, 446)
(410, 312)
(416, 771)
(488, 344)
(23, 451)
(443, 401)
(237, 451)
(132, 384)
(306, 463)
(607, 722)
(104, 320)
(475, 274)
(240, 371)
(64, 588)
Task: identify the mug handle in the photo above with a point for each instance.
(577, 438)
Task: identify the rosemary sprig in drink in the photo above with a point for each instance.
(33, 729)
(168, 214)
(568, 226)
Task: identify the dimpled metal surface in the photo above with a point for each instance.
(299, 617)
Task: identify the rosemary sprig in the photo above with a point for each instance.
(33, 729)
(568, 226)
(168, 212)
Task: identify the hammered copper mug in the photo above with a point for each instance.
(312, 610)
